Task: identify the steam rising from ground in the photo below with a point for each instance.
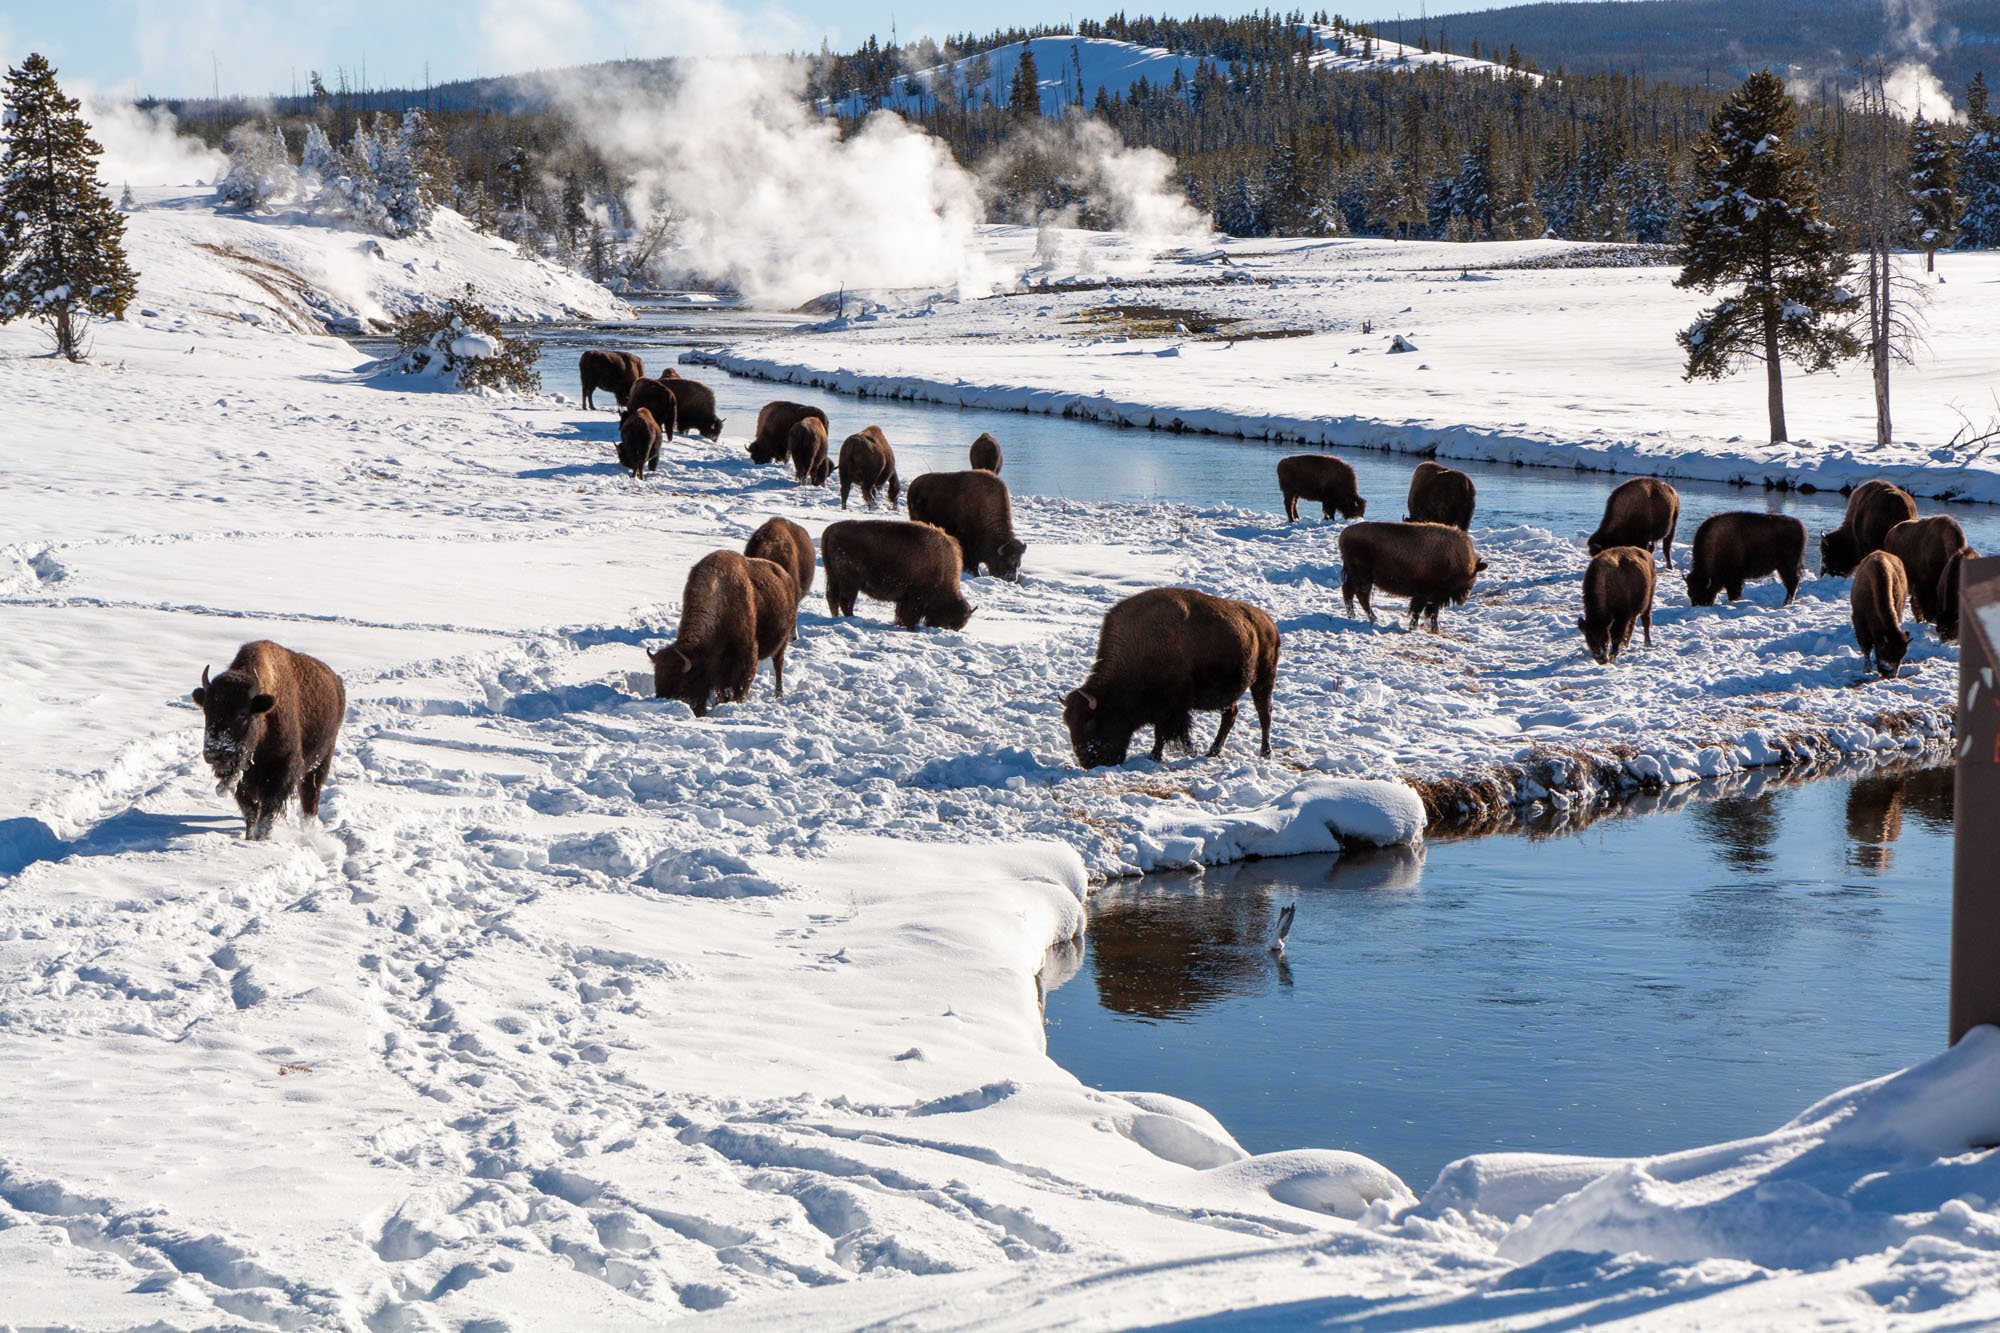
(144, 147)
(1910, 86)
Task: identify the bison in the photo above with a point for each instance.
(1947, 594)
(1430, 563)
(775, 420)
(692, 405)
(735, 612)
(985, 454)
(1873, 508)
(914, 565)
(1440, 494)
(1162, 654)
(1642, 511)
(1925, 546)
(1617, 590)
(1323, 479)
(786, 545)
(269, 724)
(1731, 549)
(807, 447)
(638, 442)
(975, 508)
(616, 371)
(867, 461)
(1881, 586)
(649, 395)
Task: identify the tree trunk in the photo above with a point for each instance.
(1774, 376)
(1878, 333)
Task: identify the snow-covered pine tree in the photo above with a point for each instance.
(260, 167)
(1979, 172)
(62, 252)
(1933, 188)
(318, 162)
(404, 184)
(1755, 225)
(1024, 94)
(1287, 204)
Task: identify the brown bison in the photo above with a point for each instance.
(867, 461)
(775, 420)
(1162, 654)
(1642, 511)
(1873, 508)
(913, 565)
(1430, 563)
(1947, 594)
(786, 545)
(807, 447)
(638, 442)
(616, 371)
(1440, 494)
(1925, 546)
(985, 454)
(1881, 586)
(1323, 479)
(735, 612)
(692, 405)
(976, 510)
(269, 725)
(1732, 549)
(648, 395)
(1617, 590)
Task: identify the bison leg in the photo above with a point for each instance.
(588, 405)
(1361, 594)
(1790, 578)
(1260, 695)
(1732, 591)
(1646, 618)
(1222, 732)
(310, 788)
(1291, 507)
(845, 487)
(778, 669)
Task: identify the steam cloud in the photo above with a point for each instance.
(1910, 86)
(144, 147)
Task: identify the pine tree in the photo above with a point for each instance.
(1755, 225)
(1979, 172)
(62, 253)
(404, 179)
(1024, 94)
(1933, 190)
(260, 167)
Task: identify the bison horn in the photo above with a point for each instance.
(204, 677)
(675, 650)
(1088, 698)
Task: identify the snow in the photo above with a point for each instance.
(577, 1012)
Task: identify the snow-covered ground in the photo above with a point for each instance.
(1523, 353)
(578, 1012)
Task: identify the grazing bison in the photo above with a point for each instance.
(1881, 586)
(269, 725)
(807, 447)
(1947, 594)
(867, 461)
(1925, 546)
(976, 510)
(1161, 654)
(649, 395)
(1617, 590)
(1430, 563)
(1873, 508)
(1440, 494)
(638, 442)
(1640, 512)
(692, 405)
(616, 371)
(1732, 549)
(1323, 479)
(913, 565)
(786, 545)
(985, 454)
(735, 612)
(775, 421)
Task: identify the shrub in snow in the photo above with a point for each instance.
(464, 342)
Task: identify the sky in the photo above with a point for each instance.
(173, 48)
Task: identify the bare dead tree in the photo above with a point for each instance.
(1892, 320)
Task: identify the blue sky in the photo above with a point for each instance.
(180, 47)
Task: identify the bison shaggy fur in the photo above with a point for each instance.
(654, 398)
(693, 405)
(867, 461)
(638, 442)
(1873, 508)
(735, 612)
(1440, 494)
(1617, 590)
(807, 447)
(1881, 586)
(786, 545)
(1430, 563)
(1925, 546)
(913, 565)
(985, 454)
(775, 420)
(1322, 479)
(1161, 655)
(1947, 594)
(1733, 548)
(616, 371)
(1642, 511)
(269, 723)
(975, 508)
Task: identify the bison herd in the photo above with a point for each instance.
(1162, 655)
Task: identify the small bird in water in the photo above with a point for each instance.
(1285, 915)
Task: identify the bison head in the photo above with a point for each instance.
(233, 709)
(1597, 638)
(949, 615)
(1006, 561)
(1098, 741)
(677, 676)
(1837, 553)
(1701, 588)
(1889, 652)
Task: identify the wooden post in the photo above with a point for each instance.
(1975, 891)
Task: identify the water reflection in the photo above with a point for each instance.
(1739, 830)
(1874, 822)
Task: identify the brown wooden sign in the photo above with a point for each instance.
(1975, 896)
